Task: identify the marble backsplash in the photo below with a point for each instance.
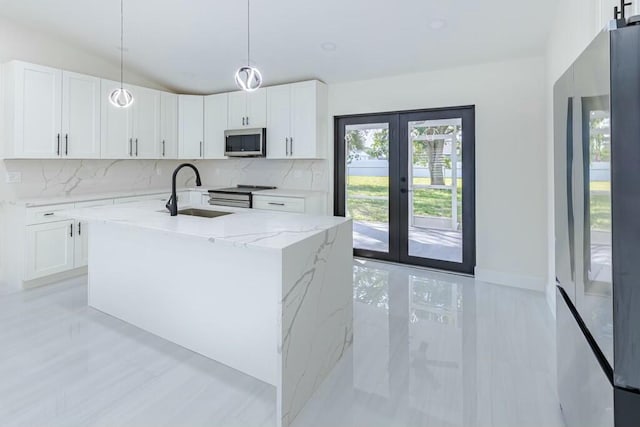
(59, 178)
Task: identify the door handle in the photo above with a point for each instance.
(71, 230)
(276, 204)
(403, 190)
(130, 147)
(201, 150)
(58, 151)
(163, 148)
(291, 144)
(243, 121)
(286, 145)
(136, 147)
(247, 121)
(79, 229)
(66, 144)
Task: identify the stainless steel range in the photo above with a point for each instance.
(239, 197)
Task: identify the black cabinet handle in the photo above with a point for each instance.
(130, 147)
(71, 230)
(136, 147)
(66, 144)
(49, 214)
(276, 204)
(58, 151)
(79, 229)
(163, 148)
(247, 121)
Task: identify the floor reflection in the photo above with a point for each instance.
(432, 349)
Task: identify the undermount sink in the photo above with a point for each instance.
(204, 213)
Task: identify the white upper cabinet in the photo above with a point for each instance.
(191, 126)
(297, 121)
(80, 116)
(50, 113)
(33, 110)
(278, 121)
(116, 140)
(215, 123)
(168, 125)
(247, 109)
(146, 123)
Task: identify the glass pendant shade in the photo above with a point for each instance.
(248, 78)
(121, 98)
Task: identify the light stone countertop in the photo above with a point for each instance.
(48, 201)
(243, 227)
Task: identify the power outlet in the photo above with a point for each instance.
(14, 177)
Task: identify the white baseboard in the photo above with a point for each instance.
(511, 279)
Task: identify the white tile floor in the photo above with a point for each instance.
(430, 349)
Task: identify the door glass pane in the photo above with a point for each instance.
(435, 189)
(367, 183)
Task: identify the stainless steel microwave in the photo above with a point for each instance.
(245, 142)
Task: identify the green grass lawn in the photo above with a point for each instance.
(432, 202)
(427, 202)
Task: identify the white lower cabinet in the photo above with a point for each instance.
(310, 203)
(49, 249)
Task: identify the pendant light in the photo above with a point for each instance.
(121, 97)
(248, 78)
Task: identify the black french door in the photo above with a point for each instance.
(408, 181)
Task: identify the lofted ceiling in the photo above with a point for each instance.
(195, 46)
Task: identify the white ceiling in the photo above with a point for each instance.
(196, 45)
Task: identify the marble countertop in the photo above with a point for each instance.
(243, 227)
(47, 201)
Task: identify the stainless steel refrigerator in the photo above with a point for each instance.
(597, 231)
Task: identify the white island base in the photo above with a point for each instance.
(281, 314)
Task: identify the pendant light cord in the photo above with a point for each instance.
(121, 44)
(248, 33)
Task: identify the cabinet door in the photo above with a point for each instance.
(115, 127)
(215, 123)
(49, 249)
(278, 121)
(38, 106)
(304, 119)
(191, 124)
(169, 126)
(146, 123)
(237, 110)
(80, 116)
(257, 109)
(81, 244)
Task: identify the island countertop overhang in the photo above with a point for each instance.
(243, 227)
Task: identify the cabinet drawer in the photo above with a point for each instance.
(45, 214)
(285, 204)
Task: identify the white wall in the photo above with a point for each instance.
(576, 24)
(511, 151)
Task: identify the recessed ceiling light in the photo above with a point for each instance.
(438, 24)
(328, 46)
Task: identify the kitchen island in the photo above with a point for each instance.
(266, 293)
